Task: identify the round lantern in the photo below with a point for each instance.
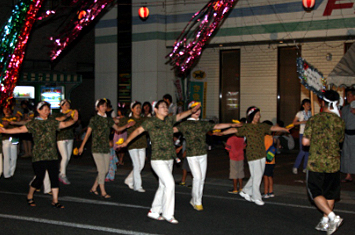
(143, 13)
(308, 4)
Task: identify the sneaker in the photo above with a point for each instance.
(64, 179)
(232, 191)
(154, 215)
(140, 190)
(304, 170)
(172, 220)
(322, 226)
(265, 195)
(245, 196)
(334, 224)
(271, 194)
(294, 171)
(259, 202)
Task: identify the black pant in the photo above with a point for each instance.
(40, 168)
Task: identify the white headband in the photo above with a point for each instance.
(334, 104)
(40, 104)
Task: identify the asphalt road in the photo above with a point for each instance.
(290, 212)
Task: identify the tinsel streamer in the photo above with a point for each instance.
(188, 46)
(86, 14)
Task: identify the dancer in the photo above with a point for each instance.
(322, 133)
(254, 131)
(100, 126)
(160, 129)
(301, 119)
(194, 132)
(136, 148)
(45, 155)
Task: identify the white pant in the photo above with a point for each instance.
(9, 151)
(252, 187)
(65, 148)
(164, 200)
(138, 159)
(198, 167)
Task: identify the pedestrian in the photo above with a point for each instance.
(323, 133)
(160, 130)
(9, 142)
(171, 106)
(301, 119)
(254, 131)
(194, 131)
(112, 168)
(65, 139)
(348, 153)
(235, 147)
(180, 149)
(136, 148)
(99, 126)
(120, 152)
(45, 157)
(269, 164)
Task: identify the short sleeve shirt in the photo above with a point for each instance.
(161, 135)
(194, 132)
(325, 131)
(255, 139)
(235, 146)
(100, 133)
(44, 138)
(66, 133)
(140, 141)
(302, 116)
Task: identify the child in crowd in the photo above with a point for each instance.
(235, 147)
(112, 168)
(269, 166)
(180, 148)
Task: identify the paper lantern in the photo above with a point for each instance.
(143, 13)
(308, 4)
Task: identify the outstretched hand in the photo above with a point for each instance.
(196, 108)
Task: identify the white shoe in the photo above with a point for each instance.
(322, 226)
(245, 196)
(294, 171)
(334, 224)
(129, 185)
(154, 215)
(140, 190)
(172, 220)
(259, 202)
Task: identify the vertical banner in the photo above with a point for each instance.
(198, 93)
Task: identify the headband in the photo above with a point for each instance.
(41, 104)
(97, 101)
(334, 104)
(133, 103)
(193, 104)
(63, 102)
(252, 110)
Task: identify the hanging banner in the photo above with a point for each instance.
(198, 91)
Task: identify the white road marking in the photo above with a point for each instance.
(73, 225)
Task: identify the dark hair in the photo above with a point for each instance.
(149, 105)
(351, 89)
(136, 103)
(160, 102)
(243, 120)
(280, 123)
(304, 101)
(268, 122)
(250, 117)
(330, 95)
(108, 103)
(101, 102)
(168, 97)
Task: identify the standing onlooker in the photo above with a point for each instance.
(323, 132)
(269, 165)
(235, 147)
(120, 152)
(301, 119)
(147, 109)
(171, 106)
(348, 153)
(26, 138)
(100, 126)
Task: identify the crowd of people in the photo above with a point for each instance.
(152, 127)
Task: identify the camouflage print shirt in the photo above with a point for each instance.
(140, 141)
(325, 131)
(255, 139)
(194, 132)
(100, 133)
(66, 133)
(44, 138)
(161, 135)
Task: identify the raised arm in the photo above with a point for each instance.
(187, 113)
(122, 128)
(17, 130)
(226, 132)
(70, 122)
(87, 135)
(227, 125)
(277, 128)
(133, 135)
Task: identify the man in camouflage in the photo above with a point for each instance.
(323, 132)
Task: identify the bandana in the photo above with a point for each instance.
(333, 109)
(252, 110)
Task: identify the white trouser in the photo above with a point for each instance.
(164, 200)
(9, 151)
(252, 187)
(198, 167)
(138, 159)
(65, 148)
(46, 183)
(0, 164)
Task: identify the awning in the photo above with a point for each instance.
(47, 77)
(344, 72)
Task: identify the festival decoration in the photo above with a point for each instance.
(188, 46)
(14, 36)
(310, 77)
(143, 13)
(308, 4)
(87, 13)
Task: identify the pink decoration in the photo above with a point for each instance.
(188, 46)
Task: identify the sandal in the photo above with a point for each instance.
(31, 202)
(94, 192)
(106, 196)
(57, 205)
